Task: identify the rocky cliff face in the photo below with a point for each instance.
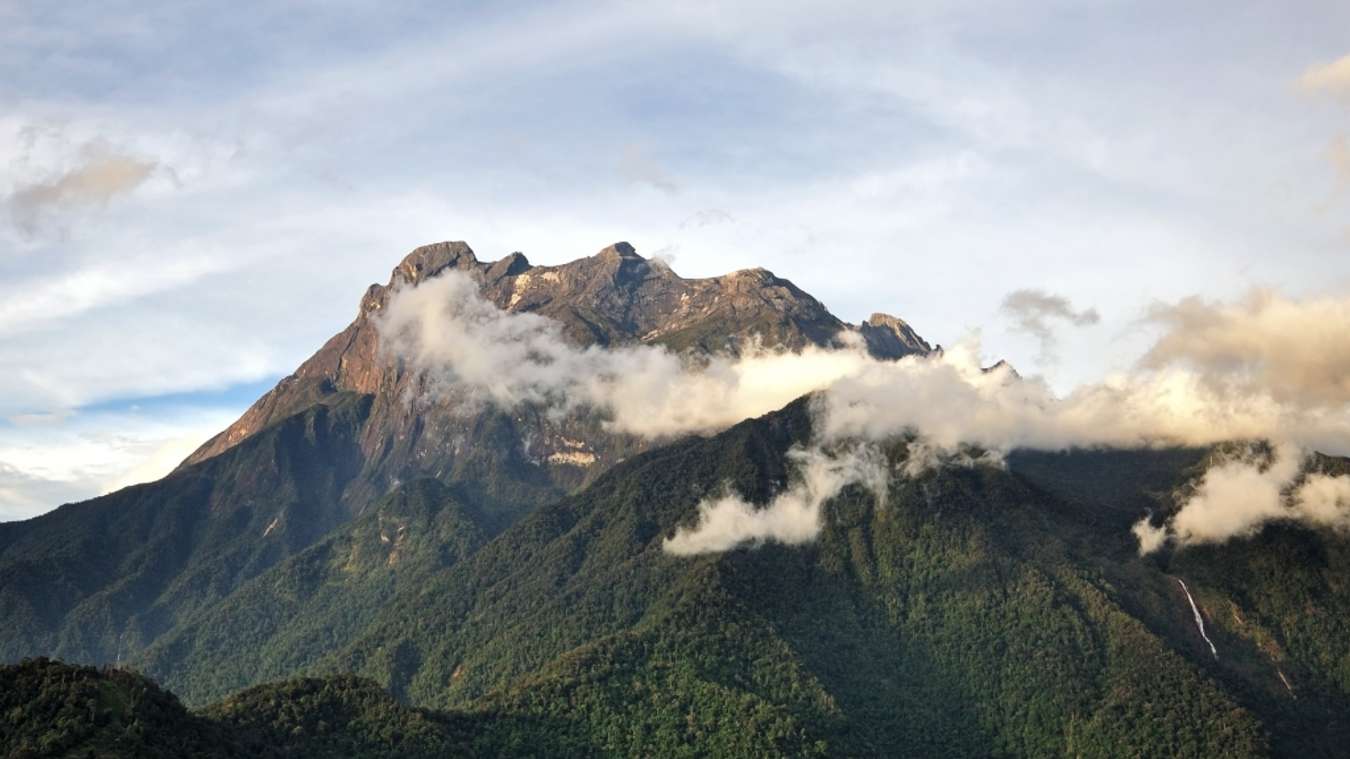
(612, 298)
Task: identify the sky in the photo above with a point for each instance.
(195, 195)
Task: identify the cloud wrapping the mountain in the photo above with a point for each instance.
(950, 401)
(794, 515)
(1265, 368)
(463, 344)
(1237, 497)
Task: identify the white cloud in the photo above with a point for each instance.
(1240, 495)
(1296, 351)
(72, 293)
(463, 344)
(793, 516)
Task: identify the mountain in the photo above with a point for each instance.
(974, 612)
(331, 577)
(96, 581)
(612, 298)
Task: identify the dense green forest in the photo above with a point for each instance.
(50, 709)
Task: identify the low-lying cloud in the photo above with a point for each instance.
(1239, 496)
(793, 516)
(1263, 368)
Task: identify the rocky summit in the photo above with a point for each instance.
(614, 297)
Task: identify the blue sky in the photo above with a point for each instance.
(197, 194)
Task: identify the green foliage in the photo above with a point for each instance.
(95, 581)
(337, 717)
(278, 623)
(51, 709)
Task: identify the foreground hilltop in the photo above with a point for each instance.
(56, 709)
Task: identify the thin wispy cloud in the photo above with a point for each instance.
(1332, 78)
(1338, 152)
(91, 453)
(100, 175)
(1035, 312)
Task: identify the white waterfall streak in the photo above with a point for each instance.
(1199, 620)
(1285, 680)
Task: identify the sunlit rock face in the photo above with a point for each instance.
(515, 459)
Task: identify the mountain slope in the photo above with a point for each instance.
(271, 626)
(947, 609)
(50, 709)
(100, 581)
(95, 581)
(977, 612)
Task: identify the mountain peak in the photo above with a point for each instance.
(619, 250)
(611, 298)
(430, 260)
(891, 336)
(510, 266)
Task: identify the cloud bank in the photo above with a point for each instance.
(464, 345)
(1263, 368)
(1297, 352)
